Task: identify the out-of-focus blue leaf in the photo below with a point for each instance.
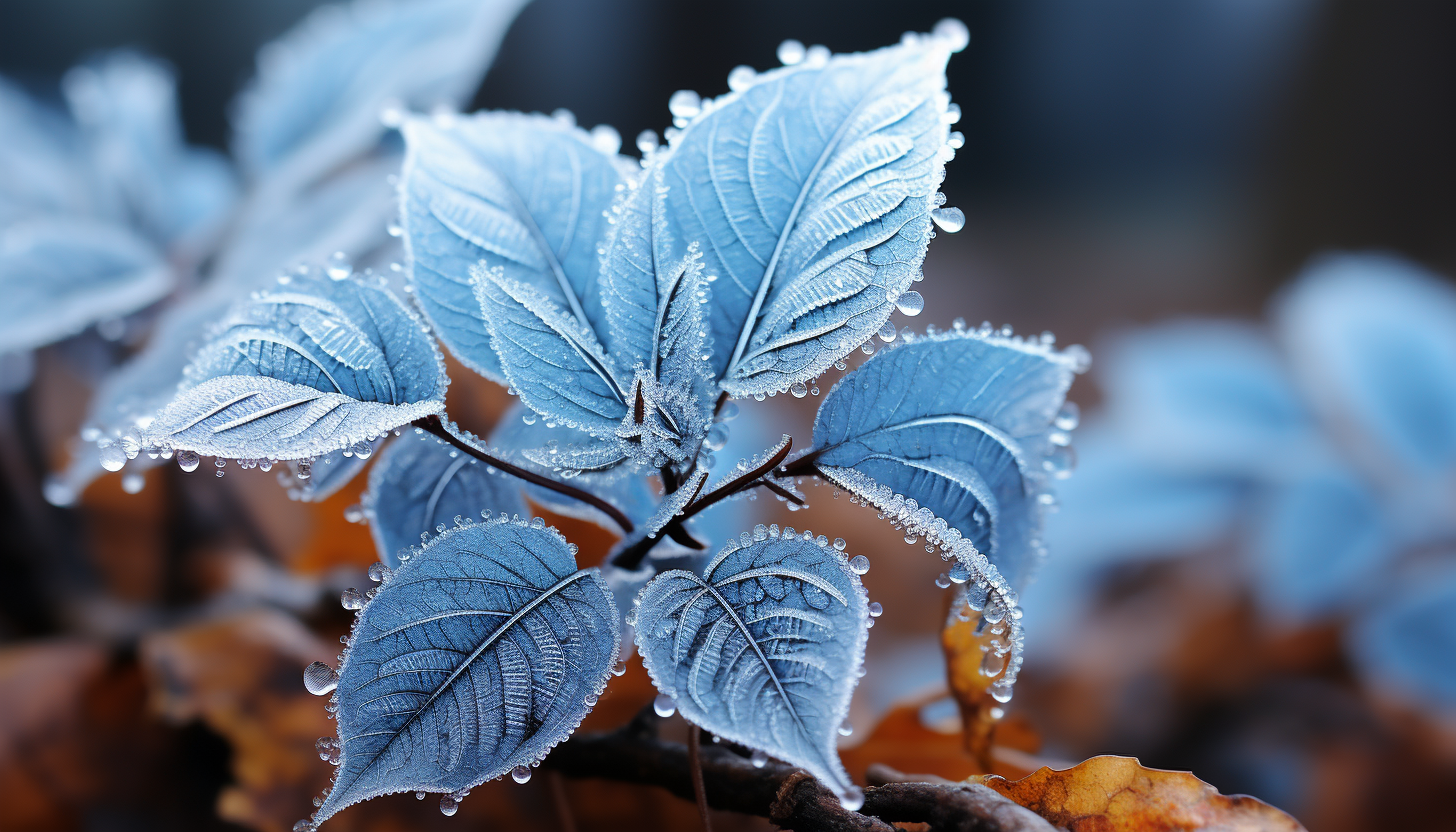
(762, 649)
(526, 193)
(126, 106)
(1404, 646)
(39, 170)
(1320, 544)
(962, 423)
(320, 89)
(348, 214)
(809, 190)
(1206, 397)
(59, 276)
(420, 483)
(1373, 339)
(312, 366)
(484, 650)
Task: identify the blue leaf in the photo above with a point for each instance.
(483, 651)
(1404, 647)
(321, 88)
(810, 191)
(962, 423)
(59, 276)
(42, 165)
(126, 105)
(1373, 340)
(524, 192)
(312, 366)
(1205, 397)
(1320, 544)
(550, 357)
(420, 482)
(763, 649)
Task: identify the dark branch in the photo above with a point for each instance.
(433, 425)
(780, 792)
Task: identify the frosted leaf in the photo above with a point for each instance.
(960, 424)
(319, 91)
(763, 649)
(475, 658)
(814, 186)
(266, 386)
(420, 482)
(525, 193)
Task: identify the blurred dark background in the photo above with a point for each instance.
(1125, 160)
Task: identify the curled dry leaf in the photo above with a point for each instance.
(965, 658)
(1106, 793)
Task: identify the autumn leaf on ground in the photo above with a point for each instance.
(1107, 793)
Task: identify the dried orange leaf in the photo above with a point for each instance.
(1106, 793)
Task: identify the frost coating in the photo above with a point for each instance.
(420, 483)
(963, 423)
(484, 650)
(764, 649)
(810, 189)
(525, 193)
(310, 367)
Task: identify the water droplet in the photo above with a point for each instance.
(590, 699)
(790, 52)
(419, 795)
(953, 32)
(351, 599)
(606, 139)
(741, 77)
(949, 220)
(716, 438)
(728, 412)
(876, 609)
(839, 544)
(859, 564)
(852, 800)
(362, 449)
(521, 774)
(1001, 691)
(528, 417)
(303, 826)
(448, 805)
(684, 104)
(799, 389)
(887, 332)
(188, 460)
(646, 142)
(619, 669)
(992, 664)
(380, 573)
(1060, 461)
(133, 483)
(338, 266)
(664, 706)
(57, 493)
(910, 303)
(1068, 417)
(319, 678)
(845, 729)
(354, 514)
(759, 759)
(113, 458)
(942, 580)
(952, 113)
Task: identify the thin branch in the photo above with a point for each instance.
(433, 425)
(695, 762)
(780, 792)
(740, 483)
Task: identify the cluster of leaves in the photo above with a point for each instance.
(627, 302)
(1326, 449)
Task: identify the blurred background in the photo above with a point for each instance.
(1126, 162)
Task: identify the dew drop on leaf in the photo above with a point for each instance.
(910, 303)
(790, 52)
(319, 679)
(351, 599)
(448, 805)
(950, 220)
(759, 759)
(338, 266)
(188, 461)
(859, 564)
(799, 389)
(113, 458)
(664, 706)
(684, 104)
(876, 609)
(521, 774)
(953, 32)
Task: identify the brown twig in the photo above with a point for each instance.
(695, 762)
(433, 425)
(780, 792)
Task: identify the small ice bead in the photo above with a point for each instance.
(521, 774)
(351, 599)
(646, 142)
(1001, 691)
(859, 564)
(1068, 417)
(606, 139)
(113, 458)
(664, 706)
(852, 800)
(741, 77)
(910, 303)
(448, 805)
(684, 104)
(839, 544)
(188, 461)
(876, 610)
(379, 573)
(338, 266)
(790, 52)
(320, 679)
(799, 389)
(949, 220)
(887, 332)
(759, 759)
(133, 483)
(954, 33)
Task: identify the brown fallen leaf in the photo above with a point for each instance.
(966, 652)
(1117, 793)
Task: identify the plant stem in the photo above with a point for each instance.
(695, 762)
(433, 425)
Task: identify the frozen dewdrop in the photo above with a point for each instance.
(942, 580)
(684, 104)
(952, 113)
(188, 460)
(304, 826)
(799, 389)
(816, 55)
(876, 609)
(521, 774)
(845, 729)
(859, 564)
(949, 220)
(839, 544)
(956, 140)
(887, 332)
(1001, 691)
(853, 799)
(663, 706)
(320, 679)
(953, 32)
(910, 303)
(1060, 462)
(606, 139)
(133, 482)
(449, 805)
(338, 266)
(380, 573)
(741, 77)
(113, 458)
(758, 759)
(362, 450)
(57, 493)
(1068, 417)
(564, 116)
(790, 52)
